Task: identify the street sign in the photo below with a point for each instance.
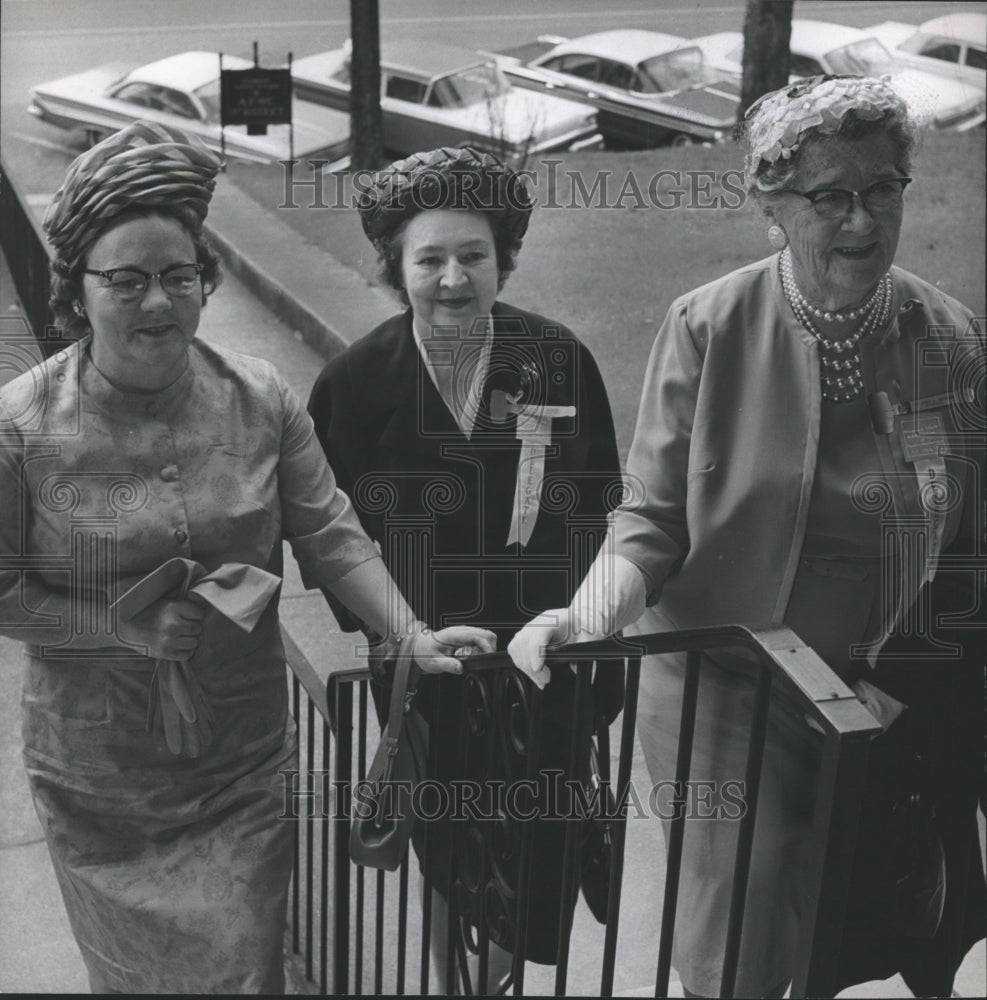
(256, 98)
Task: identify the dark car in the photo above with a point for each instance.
(650, 89)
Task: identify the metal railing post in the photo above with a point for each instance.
(631, 682)
(343, 701)
(842, 778)
(676, 834)
(745, 840)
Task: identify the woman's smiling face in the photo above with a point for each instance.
(449, 267)
(838, 262)
(141, 344)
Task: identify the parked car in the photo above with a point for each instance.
(183, 90)
(442, 95)
(824, 47)
(954, 45)
(650, 89)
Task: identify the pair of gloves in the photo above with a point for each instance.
(176, 701)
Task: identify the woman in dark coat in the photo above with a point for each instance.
(477, 442)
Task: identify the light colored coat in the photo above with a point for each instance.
(724, 454)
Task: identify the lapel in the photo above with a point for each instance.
(419, 421)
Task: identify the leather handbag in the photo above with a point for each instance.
(912, 867)
(899, 881)
(382, 816)
(597, 845)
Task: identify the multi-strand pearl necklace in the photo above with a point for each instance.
(839, 359)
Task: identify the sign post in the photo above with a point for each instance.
(256, 98)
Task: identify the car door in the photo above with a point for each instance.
(572, 74)
(130, 102)
(401, 101)
(590, 78)
(621, 117)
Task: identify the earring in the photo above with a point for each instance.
(79, 309)
(777, 237)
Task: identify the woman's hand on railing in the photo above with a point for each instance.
(434, 651)
(527, 648)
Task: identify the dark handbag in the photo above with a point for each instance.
(901, 868)
(382, 818)
(913, 868)
(597, 845)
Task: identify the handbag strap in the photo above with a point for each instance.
(406, 674)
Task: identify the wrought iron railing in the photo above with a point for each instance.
(352, 936)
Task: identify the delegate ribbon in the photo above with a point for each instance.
(534, 431)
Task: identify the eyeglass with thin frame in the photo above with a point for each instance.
(127, 284)
(835, 203)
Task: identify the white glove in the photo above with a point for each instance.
(611, 597)
(527, 648)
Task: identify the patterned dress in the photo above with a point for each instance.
(174, 870)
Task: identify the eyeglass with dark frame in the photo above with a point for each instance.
(834, 203)
(127, 284)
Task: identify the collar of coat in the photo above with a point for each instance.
(398, 398)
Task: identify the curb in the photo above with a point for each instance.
(315, 331)
(328, 303)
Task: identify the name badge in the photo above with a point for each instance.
(923, 436)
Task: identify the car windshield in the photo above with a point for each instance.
(868, 57)
(674, 71)
(208, 94)
(469, 86)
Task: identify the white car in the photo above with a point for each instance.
(442, 95)
(183, 90)
(823, 47)
(954, 45)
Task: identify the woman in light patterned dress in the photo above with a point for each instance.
(154, 733)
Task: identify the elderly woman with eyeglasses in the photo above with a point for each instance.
(147, 482)
(807, 452)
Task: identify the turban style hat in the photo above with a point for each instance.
(444, 178)
(144, 166)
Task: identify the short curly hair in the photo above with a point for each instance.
(66, 276)
(459, 178)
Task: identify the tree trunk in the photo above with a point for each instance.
(767, 32)
(366, 127)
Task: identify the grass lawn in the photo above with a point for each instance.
(608, 262)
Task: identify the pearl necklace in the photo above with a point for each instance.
(840, 373)
(833, 315)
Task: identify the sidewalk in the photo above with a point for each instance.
(286, 277)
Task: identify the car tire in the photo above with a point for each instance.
(680, 139)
